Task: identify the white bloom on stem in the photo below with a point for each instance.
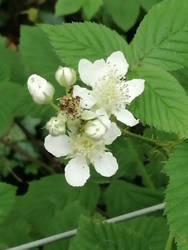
(65, 76)
(56, 125)
(41, 91)
(109, 91)
(83, 151)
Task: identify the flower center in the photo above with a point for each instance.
(85, 146)
(109, 94)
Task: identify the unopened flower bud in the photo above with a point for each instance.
(65, 76)
(56, 125)
(41, 91)
(95, 129)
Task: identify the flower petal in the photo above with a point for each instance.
(77, 171)
(135, 88)
(103, 117)
(86, 97)
(112, 133)
(90, 72)
(58, 145)
(126, 117)
(118, 62)
(106, 165)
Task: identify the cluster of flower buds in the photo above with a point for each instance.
(82, 126)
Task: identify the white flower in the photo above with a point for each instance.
(65, 76)
(109, 91)
(56, 125)
(41, 91)
(83, 150)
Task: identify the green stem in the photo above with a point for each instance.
(146, 178)
(55, 107)
(169, 241)
(154, 143)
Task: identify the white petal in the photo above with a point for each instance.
(135, 88)
(103, 117)
(126, 117)
(117, 61)
(112, 133)
(77, 172)
(106, 165)
(58, 145)
(90, 72)
(86, 97)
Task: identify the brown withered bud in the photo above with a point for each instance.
(70, 106)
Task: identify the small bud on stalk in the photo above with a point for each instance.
(65, 76)
(41, 91)
(56, 125)
(95, 129)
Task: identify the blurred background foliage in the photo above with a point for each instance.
(35, 200)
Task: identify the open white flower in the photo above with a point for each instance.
(41, 91)
(83, 151)
(109, 91)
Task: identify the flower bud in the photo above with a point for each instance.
(56, 125)
(95, 129)
(41, 91)
(65, 76)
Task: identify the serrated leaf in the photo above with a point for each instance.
(90, 7)
(154, 229)
(38, 59)
(97, 235)
(124, 12)
(65, 7)
(176, 195)
(129, 197)
(7, 199)
(84, 40)
(163, 104)
(160, 40)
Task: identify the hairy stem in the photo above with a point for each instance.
(161, 146)
(169, 241)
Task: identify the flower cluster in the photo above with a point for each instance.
(83, 127)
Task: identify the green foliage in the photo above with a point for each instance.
(90, 8)
(129, 197)
(96, 235)
(163, 104)
(176, 195)
(161, 41)
(83, 40)
(64, 7)
(124, 12)
(7, 194)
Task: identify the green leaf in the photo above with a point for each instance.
(124, 12)
(154, 229)
(176, 194)
(38, 59)
(84, 40)
(7, 199)
(182, 76)
(14, 233)
(13, 62)
(161, 41)
(163, 104)
(147, 4)
(4, 73)
(129, 197)
(90, 7)
(65, 7)
(8, 103)
(96, 235)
